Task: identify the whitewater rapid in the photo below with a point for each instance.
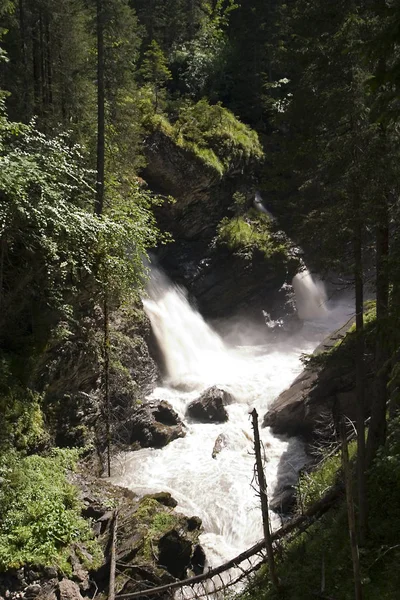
(220, 490)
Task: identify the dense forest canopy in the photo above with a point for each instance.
(304, 94)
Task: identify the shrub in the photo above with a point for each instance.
(40, 512)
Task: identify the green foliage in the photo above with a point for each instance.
(22, 420)
(155, 72)
(52, 239)
(40, 512)
(250, 233)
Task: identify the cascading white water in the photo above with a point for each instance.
(311, 299)
(219, 490)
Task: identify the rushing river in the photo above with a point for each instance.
(220, 490)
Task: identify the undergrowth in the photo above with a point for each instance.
(40, 512)
(322, 553)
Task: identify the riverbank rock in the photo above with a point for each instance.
(154, 424)
(210, 406)
(326, 388)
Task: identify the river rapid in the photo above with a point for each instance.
(221, 490)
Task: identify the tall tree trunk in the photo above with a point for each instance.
(100, 109)
(351, 514)
(360, 388)
(377, 426)
(190, 14)
(22, 33)
(37, 83)
(264, 502)
(49, 70)
(42, 54)
(106, 378)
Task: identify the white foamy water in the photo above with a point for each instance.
(220, 490)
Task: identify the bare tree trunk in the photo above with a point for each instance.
(37, 86)
(113, 560)
(190, 14)
(22, 33)
(100, 110)
(2, 253)
(377, 426)
(360, 389)
(264, 502)
(49, 70)
(106, 382)
(351, 514)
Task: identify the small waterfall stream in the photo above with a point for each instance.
(219, 490)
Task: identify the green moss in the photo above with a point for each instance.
(155, 520)
(40, 512)
(213, 134)
(249, 233)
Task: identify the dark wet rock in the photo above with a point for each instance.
(210, 406)
(50, 572)
(219, 445)
(226, 283)
(326, 388)
(198, 560)
(174, 553)
(284, 500)
(155, 424)
(164, 498)
(193, 523)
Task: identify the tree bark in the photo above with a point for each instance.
(377, 426)
(106, 375)
(351, 514)
(264, 502)
(99, 204)
(360, 389)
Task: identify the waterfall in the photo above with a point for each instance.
(311, 299)
(219, 490)
(193, 352)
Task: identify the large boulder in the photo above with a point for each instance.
(210, 406)
(155, 424)
(325, 389)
